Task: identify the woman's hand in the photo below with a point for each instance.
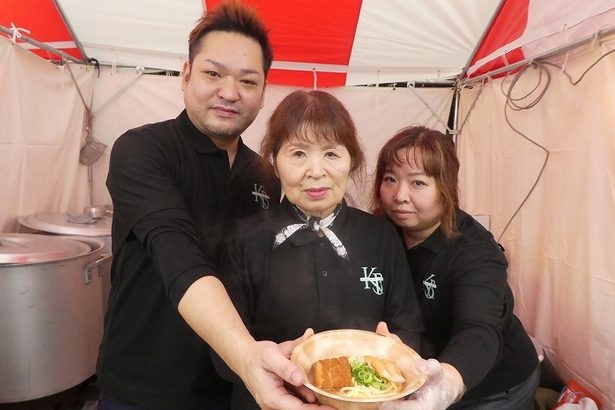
(383, 329)
(444, 386)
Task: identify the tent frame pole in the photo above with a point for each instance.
(453, 118)
(43, 46)
(597, 36)
(70, 30)
(494, 16)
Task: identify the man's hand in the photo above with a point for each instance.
(263, 366)
(268, 367)
(444, 386)
(287, 348)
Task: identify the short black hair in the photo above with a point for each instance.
(233, 17)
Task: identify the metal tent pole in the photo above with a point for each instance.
(43, 46)
(510, 67)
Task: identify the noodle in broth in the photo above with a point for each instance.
(360, 391)
(367, 383)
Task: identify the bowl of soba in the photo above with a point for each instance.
(351, 369)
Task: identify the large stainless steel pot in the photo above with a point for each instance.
(92, 223)
(49, 310)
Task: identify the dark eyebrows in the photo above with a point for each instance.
(305, 144)
(243, 71)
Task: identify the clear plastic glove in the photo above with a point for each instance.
(444, 386)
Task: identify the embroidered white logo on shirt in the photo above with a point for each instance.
(373, 279)
(429, 286)
(261, 196)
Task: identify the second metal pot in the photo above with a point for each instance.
(50, 326)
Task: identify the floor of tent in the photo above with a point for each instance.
(84, 396)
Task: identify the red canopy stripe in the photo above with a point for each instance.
(45, 24)
(509, 25)
(311, 31)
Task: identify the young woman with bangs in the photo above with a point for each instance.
(459, 274)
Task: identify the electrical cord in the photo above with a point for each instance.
(575, 82)
(514, 104)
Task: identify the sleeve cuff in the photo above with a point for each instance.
(180, 285)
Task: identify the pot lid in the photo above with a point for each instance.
(21, 248)
(67, 224)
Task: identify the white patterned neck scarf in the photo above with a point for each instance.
(315, 224)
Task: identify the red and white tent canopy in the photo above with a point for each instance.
(332, 43)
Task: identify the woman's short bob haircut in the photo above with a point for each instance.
(435, 152)
(320, 113)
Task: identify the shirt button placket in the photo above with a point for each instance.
(321, 243)
(328, 297)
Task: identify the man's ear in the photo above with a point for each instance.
(185, 74)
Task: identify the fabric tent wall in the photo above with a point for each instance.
(41, 117)
(560, 245)
(42, 132)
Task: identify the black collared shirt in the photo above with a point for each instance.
(304, 283)
(174, 198)
(467, 309)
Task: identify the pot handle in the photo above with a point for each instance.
(87, 271)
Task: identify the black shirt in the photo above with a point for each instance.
(467, 309)
(304, 283)
(174, 197)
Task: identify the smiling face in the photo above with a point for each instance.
(411, 199)
(224, 86)
(313, 172)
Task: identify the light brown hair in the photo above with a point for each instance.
(436, 153)
(318, 112)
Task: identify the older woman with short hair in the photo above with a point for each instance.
(317, 262)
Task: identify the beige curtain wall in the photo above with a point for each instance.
(41, 132)
(560, 245)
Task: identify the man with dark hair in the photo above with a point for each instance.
(177, 187)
